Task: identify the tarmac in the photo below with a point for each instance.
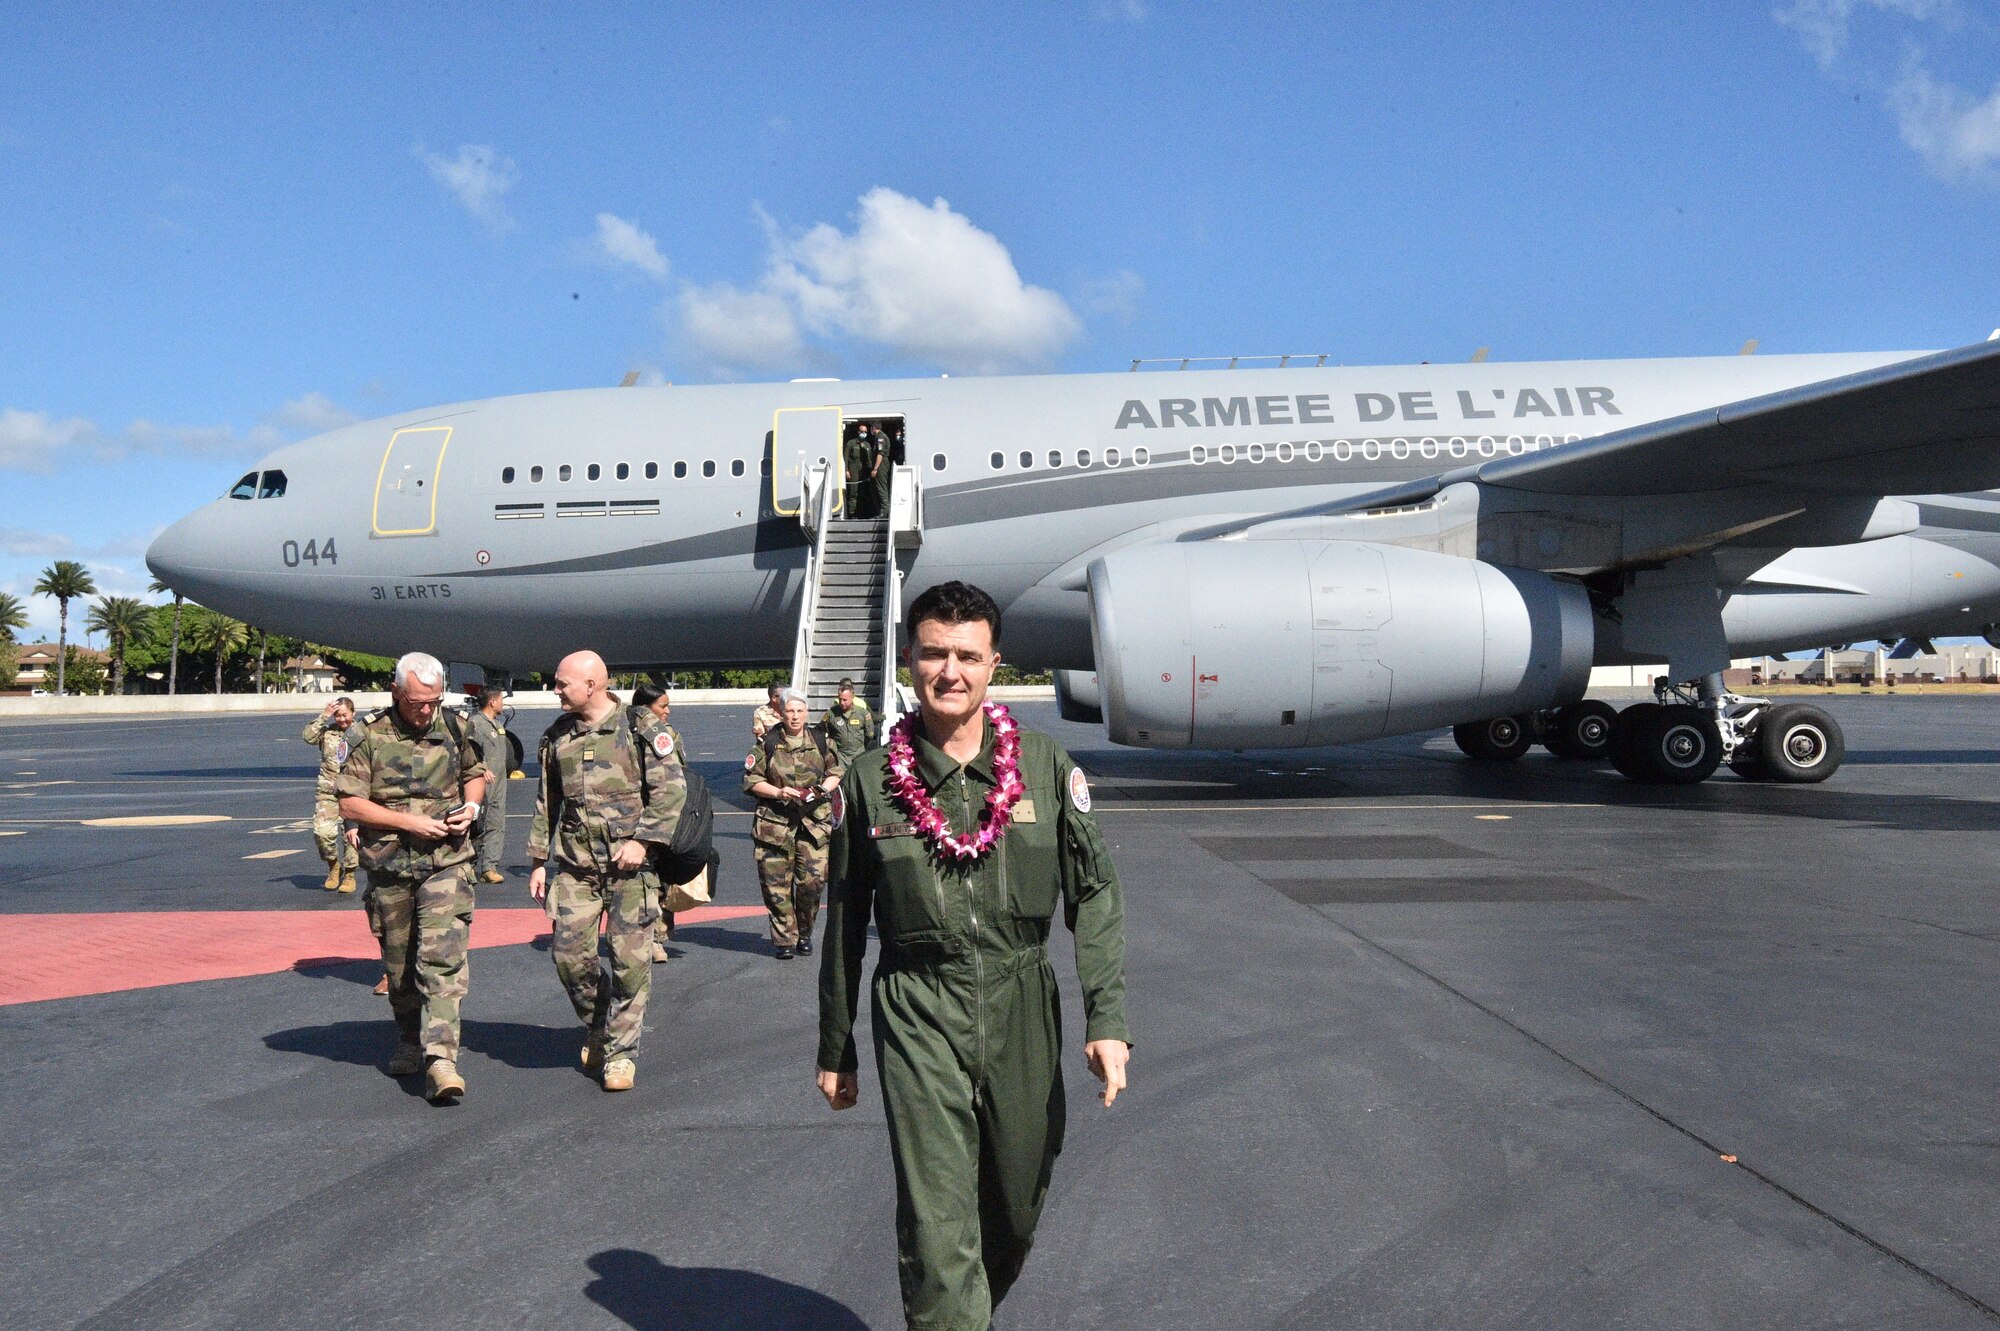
(1420, 1044)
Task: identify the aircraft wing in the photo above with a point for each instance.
(1925, 426)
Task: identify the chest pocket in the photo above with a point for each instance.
(909, 903)
(1033, 854)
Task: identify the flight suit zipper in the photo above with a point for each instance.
(978, 962)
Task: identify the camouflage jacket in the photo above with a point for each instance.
(413, 771)
(851, 732)
(491, 737)
(332, 746)
(618, 780)
(764, 720)
(796, 761)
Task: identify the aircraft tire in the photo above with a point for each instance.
(1679, 746)
(1800, 744)
(1583, 731)
(1500, 740)
(1625, 749)
(1749, 765)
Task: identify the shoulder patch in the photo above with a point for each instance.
(749, 760)
(663, 744)
(1079, 790)
(340, 752)
(836, 804)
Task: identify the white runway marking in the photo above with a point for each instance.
(273, 854)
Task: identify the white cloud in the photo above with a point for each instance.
(1957, 134)
(620, 241)
(919, 280)
(741, 329)
(1118, 295)
(478, 177)
(21, 543)
(1825, 27)
(34, 441)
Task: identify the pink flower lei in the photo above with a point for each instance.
(929, 820)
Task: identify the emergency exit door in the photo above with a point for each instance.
(801, 438)
(407, 483)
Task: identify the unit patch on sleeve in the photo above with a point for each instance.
(663, 744)
(1079, 790)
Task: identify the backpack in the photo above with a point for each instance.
(693, 846)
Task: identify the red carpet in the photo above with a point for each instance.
(66, 956)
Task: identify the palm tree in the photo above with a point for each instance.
(119, 619)
(213, 631)
(173, 652)
(13, 615)
(65, 580)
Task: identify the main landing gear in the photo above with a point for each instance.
(1678, 739)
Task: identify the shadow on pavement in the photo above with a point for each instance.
(648, 1295)
(369, 1043)
(722, 940)
(339, 968)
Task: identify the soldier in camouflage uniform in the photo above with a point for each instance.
(413, 781)
(327, 732)
(654, 699)
(489, 732)
(771, 715)
(793, 774)
(849, 725)
(612, 786)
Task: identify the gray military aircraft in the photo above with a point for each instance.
(1231, 558)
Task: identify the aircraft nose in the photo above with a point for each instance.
(188, 556)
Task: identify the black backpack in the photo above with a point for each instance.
(693, 846)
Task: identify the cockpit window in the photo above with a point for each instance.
(273, 486)
(245, 488)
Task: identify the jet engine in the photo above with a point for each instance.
(1289, 643)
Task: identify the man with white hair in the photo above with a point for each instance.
(413, 783)
(793, 774)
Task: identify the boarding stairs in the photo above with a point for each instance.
(851, 612)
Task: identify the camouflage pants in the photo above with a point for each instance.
(490, 840)
(329, 833)
(425, 925)
(793, 875)
(614, 1003)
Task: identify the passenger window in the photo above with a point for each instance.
(999, 461)
(273, 486)
(592, 472)
(652, 471)
(937, 462)
(736, 467)
(680, 471)
(1083, 457)
(624, 471)
(506, 476)
(535, 475)
(562, 472)
(1055, 458)
(1027, 460)
(708, 467)
(1110, 457)
(1141, 456)
(245, 488)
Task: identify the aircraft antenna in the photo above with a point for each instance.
(1479, 356)
(1748, 348)
(631, 377)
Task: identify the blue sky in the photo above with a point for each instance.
(222, 232)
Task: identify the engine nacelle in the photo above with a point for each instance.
(1273, 644)
(1078, 697)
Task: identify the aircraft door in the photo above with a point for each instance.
(406, 483)
(800, 438)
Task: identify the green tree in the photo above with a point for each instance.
(121, 619)
(13, 615)
(174, 651)
(65, 580)
(10, 662)
(211, 631)
(85, 671)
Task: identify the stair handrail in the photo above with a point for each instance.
(820, 487)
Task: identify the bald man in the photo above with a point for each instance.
(612, 786)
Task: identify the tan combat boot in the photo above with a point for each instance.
(381, 989)
(346, 878)
(659, 950)
(493, 876)
(618, 1074)
(445, 1083)
(592, 1056)
(407, 1061)
(333, 872)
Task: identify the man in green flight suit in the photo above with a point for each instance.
(488, 729)
(958, 840)
(849, 725)
(413, 781)
(612, 786)
(857, 467)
